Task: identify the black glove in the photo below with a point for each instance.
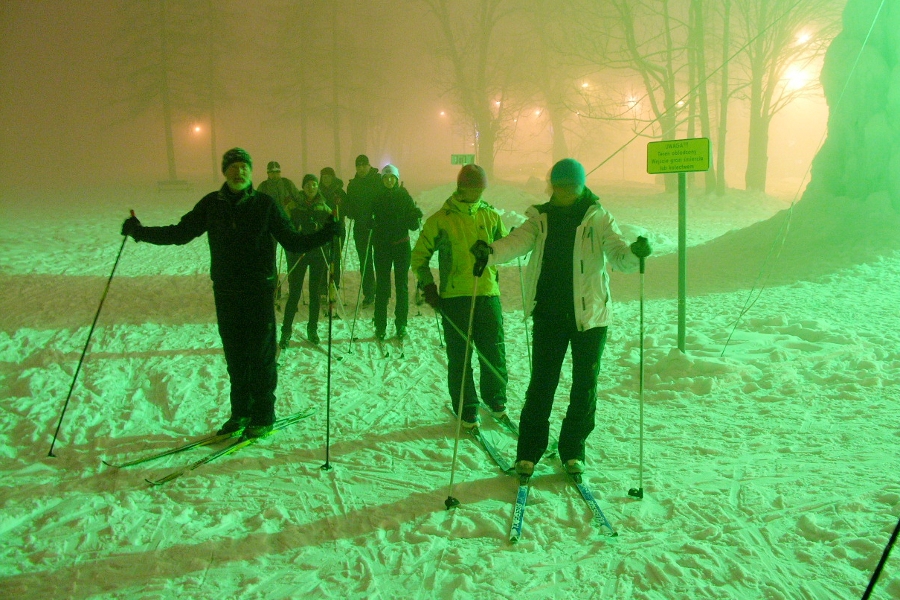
(334, 228)
(482, 251)
(432, 297)
(131, 227)
(641, 248)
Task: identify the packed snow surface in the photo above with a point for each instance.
(770, 463)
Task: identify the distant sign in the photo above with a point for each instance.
(678, 156)
(462, 159)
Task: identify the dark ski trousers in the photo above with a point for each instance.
(551, 342)
(487, 336)
(247, 328)
(318, 275)
(398, 257)
(360, 239)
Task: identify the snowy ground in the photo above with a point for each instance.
(770, 469)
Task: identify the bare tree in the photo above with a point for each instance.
(476, 67)
(784, 38)
(166, 59)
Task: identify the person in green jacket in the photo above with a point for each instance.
(464, 219)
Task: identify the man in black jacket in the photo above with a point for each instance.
(361, 192)
(240, 224)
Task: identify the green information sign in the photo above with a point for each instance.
(462, 159)
(678, 156)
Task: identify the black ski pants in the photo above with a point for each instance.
(396, 257)
(362, 241)
(246, 322)
(487, 336)
(551, 342)
(314, 260)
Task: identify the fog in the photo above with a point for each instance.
(82, 102)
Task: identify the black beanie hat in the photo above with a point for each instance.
(327, 171)
(309, 177)
(361, 160)
(236, 155)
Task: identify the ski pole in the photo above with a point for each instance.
(362, 276)
(524, 316)
(87, 343)
(481, 356)
(452, 502)
(346, 247)
(437, 324)
(332, 289)
(639, 491)
(884, 557)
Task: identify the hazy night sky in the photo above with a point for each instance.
(60, 128)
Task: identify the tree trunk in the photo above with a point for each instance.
(702, 95)
(335, 100)
(725, 93)
(164, 83)
(558, 135)
(211, 73)
(757, 151)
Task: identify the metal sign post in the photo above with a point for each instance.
(680, 156)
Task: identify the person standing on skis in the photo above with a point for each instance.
(332, 189)
(240, 224)
(464, 219)
(362, 190)
(308, 215)
(571, 238)
(394, 215)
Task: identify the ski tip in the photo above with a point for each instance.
(514, 539)
(108, 464)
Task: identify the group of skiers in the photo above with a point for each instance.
(571, 238)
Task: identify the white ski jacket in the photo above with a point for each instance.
(598, 241)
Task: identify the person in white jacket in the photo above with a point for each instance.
(572, 239)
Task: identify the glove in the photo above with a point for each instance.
(641, 248)
(131, 227)
(482, 251)
(432, 297)
(334, 228)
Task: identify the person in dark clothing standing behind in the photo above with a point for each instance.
(569, 305)
(362, 190)
(332, 189)
(240, 223)
(394, 215)
(308, 215)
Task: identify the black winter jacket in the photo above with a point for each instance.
(394, 215)
(361, 193)
(239, 229)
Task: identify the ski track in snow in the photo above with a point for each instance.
(769, 470)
